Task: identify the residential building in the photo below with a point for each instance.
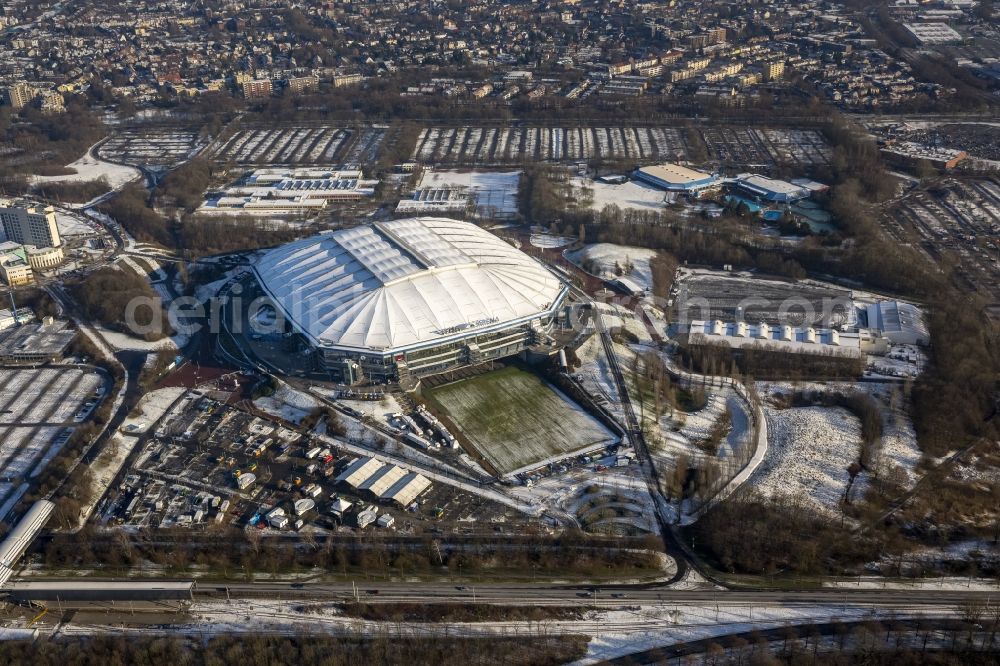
(257, 88)
(30, 226)
(18, 95)
(300, 84)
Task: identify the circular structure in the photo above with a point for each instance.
(43, 258)
(410, 297)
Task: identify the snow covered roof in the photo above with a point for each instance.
(404, 284)
(406, 489)
(383, 479)
(900, 320)
(676, 174)
(772, 189)
(805, 339)
(359, 471)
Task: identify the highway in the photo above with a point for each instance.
(553, 594)
(541, 594)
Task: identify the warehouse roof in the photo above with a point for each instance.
(406, 489)
(359, 471)
(405, 284)
(772, 189)
(897, 317)
(676, 174)
(383, 479)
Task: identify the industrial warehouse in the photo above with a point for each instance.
(388, 483)
(677, 178)
(415, 296)
(291, 191)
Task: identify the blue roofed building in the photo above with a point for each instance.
(762, 188)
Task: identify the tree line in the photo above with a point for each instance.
(307, 649)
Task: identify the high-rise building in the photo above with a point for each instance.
(716, 35)
(257, 88)
(18, 95)
(30, 226)
(774, 70)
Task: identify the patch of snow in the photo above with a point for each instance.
(809, 451)
(605, 259)
(150, 409)
(123, 342)
(632, 195)
(288, 404)
(89, 168)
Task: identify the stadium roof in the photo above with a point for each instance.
(405, 284)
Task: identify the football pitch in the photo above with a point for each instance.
(515, 420)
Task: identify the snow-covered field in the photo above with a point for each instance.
(122, 342)
(88, 168)
(151, 407)
(898, 447)
(287, 404)
(494, 193)
(602, 260)
(695, 426)
(809, 451)
(515, 420)
(630, 195)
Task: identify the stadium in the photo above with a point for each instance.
(393, 300)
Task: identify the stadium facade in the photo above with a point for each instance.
(411, 297)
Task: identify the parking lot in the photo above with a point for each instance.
(514, 145)
(39, 409)
(979, 140)
(804, 148)
(745, 147)
(958, 217)
(763, 148)
(149, 146)
(299, 146)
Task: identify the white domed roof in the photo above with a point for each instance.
(404, 283)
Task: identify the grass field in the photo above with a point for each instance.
(515, 420)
